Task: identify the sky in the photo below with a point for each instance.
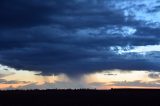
(102, 44)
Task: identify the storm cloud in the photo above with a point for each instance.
(78, 36)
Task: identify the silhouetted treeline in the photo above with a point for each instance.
(81, 97)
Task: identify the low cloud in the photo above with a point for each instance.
(154, 75)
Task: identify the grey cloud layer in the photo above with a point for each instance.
(72, 37)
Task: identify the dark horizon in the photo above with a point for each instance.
(114, 97)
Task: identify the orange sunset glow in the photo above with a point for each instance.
(107, 79)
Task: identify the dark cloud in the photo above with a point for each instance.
(22, 13)
(2, 81)
(137, 83)
(149, 32)
(154, 75)
(59, 85)
(71, 13)
(72, 37)
(5, 74)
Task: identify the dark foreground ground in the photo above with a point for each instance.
(121, 97)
